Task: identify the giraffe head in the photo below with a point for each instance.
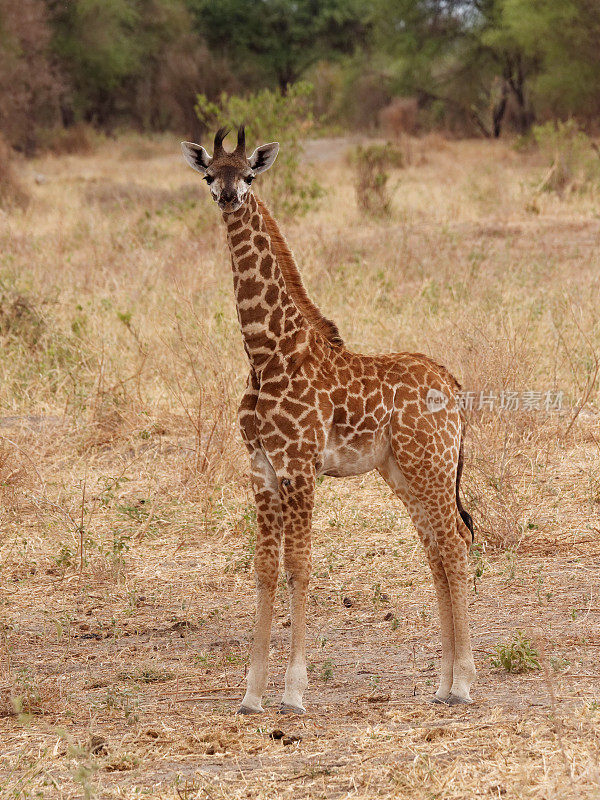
(229, 175)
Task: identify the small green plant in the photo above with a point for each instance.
(120, 546)
(510, 570)
(371, 166)
(270, 115)
(65, 557)
(149, 674)
(559, 664)
(327, 671)
(123, 700)
(518, 655)
(26, 695)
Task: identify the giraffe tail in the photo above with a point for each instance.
(466, 517)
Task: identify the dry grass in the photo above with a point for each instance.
(13, 193)
(127, 520)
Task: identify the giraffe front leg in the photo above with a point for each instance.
(391, 473)
(297, 504)
(266, 566)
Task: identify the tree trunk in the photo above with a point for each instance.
(499, 111)
(516, 81)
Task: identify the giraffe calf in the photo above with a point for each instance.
(312, 407)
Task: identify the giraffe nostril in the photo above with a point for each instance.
(227, 196)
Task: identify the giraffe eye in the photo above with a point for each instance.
(209, 179)
(249, 179)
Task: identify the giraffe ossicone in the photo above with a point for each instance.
(312, 407)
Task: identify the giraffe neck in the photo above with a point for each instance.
(269, 320)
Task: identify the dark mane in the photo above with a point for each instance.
(293, 281)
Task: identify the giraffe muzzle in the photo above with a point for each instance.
(229, 206)
(228, 201)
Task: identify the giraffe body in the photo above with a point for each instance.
(311, 407)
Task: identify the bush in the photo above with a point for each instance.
(269, 116)
(399, 117)
(349, 93)
(371, 165)
(20, 320)
(78, 139)
(574, 159)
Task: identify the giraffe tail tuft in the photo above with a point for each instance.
(466, 517)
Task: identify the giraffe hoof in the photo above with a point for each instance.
(455, 700)
(440, 701)
(285, 708)
(247, 710)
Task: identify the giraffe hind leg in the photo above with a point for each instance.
(297, 506)
(393, 476)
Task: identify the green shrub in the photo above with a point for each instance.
(270, 116)
(20, 317)
(573, 158)
(518, 655)
(371, 165)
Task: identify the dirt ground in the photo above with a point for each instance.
(147, 673)
(126, 561)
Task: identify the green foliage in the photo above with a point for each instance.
(562, 36)
(371, 165)
(96, 40)
(270, 115)
(282, 38)
(472, 65)
(327, 671)
(518, 655)
(117, 54)
(459, 57)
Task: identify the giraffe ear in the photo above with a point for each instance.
(196, 156)
(263, 157)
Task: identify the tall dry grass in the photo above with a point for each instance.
(117, 317)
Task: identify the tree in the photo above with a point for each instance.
(563, 36)
(460, 53)
(280, 38)
(128, 59)
(30, 85)
(96, 42)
